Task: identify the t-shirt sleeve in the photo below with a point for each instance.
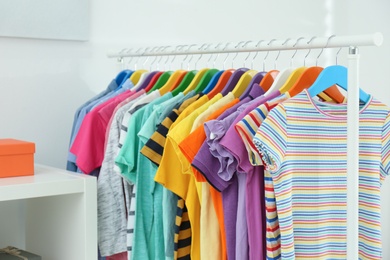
(247, 128)
(385, 166)
(271, 138)
(88, 145)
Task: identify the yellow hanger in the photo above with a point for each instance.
(325, 97)
(243, 83)
(292, 79)
(171, 81)
(136, 76)
(195, 81)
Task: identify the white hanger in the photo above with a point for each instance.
(282, 77)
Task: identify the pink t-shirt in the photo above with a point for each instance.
(88, 145)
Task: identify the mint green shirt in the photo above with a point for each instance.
(144, 242)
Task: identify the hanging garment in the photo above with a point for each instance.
(112, 201)
(172, 207)
(303, 144)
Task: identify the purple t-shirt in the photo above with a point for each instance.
(212, 158)
(250, 187)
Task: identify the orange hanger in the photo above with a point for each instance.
(176, 78)
(268, 79)
(307, 79)
(177, 81)
(221, 83)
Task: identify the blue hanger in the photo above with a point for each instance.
(334, 75)
(233, 81)
(122, 76)
(255, 80)
(213, 82)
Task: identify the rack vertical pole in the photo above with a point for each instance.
(353, 155)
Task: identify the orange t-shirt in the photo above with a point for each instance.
(190, 147)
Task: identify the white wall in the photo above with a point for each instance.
(42, 82)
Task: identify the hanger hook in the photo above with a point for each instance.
(147, 57)
(138, 56)
(163, 50)
(337, 54)
(155, 57)
(180, 49)
(309, 42)
(266, 56)
(292, 57)
(224, 62)
(243, 46)
(185, 57)
(200, 56)
(277, 57)
(211, 55)
(216, 57)
(130, 58)
(257, 53)
(120, 59)
(326, 45)
(188, 64)
(174, 56)
(236, 52)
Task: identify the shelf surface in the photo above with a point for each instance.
(47, 181)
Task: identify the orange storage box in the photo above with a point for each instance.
(16, 158)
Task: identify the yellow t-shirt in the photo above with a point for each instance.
(170, 173)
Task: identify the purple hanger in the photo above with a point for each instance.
(255, 80)
(234, 78)
(147, 80)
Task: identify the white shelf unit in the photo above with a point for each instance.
(52, 213)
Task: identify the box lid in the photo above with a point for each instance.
(13, 146)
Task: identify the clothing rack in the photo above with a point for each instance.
(351, 41)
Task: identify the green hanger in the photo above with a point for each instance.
(161, 80)
(205, 80)
(185, 82)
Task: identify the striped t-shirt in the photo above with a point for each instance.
(247, 128)
(303, 143)
(153, 150)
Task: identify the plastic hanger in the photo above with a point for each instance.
(122, 76)
(255, 80)
(188, 78)
(146, 77)
(205, 80)
(268, 79)
(245, 80)
(202, 78)
(185, 82)
(282, 76)
(147, 80)
(215, 79)
(295, 74)
(161, 80)
(213, 82)
(334, 75)
(233, 80)
(270, 76)
(173, 81)
(280, 79)
(222, 81)
(195, 81)
(141, 80)
(243, 83)
(136, 76)
(307, 79)
(338, 78)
